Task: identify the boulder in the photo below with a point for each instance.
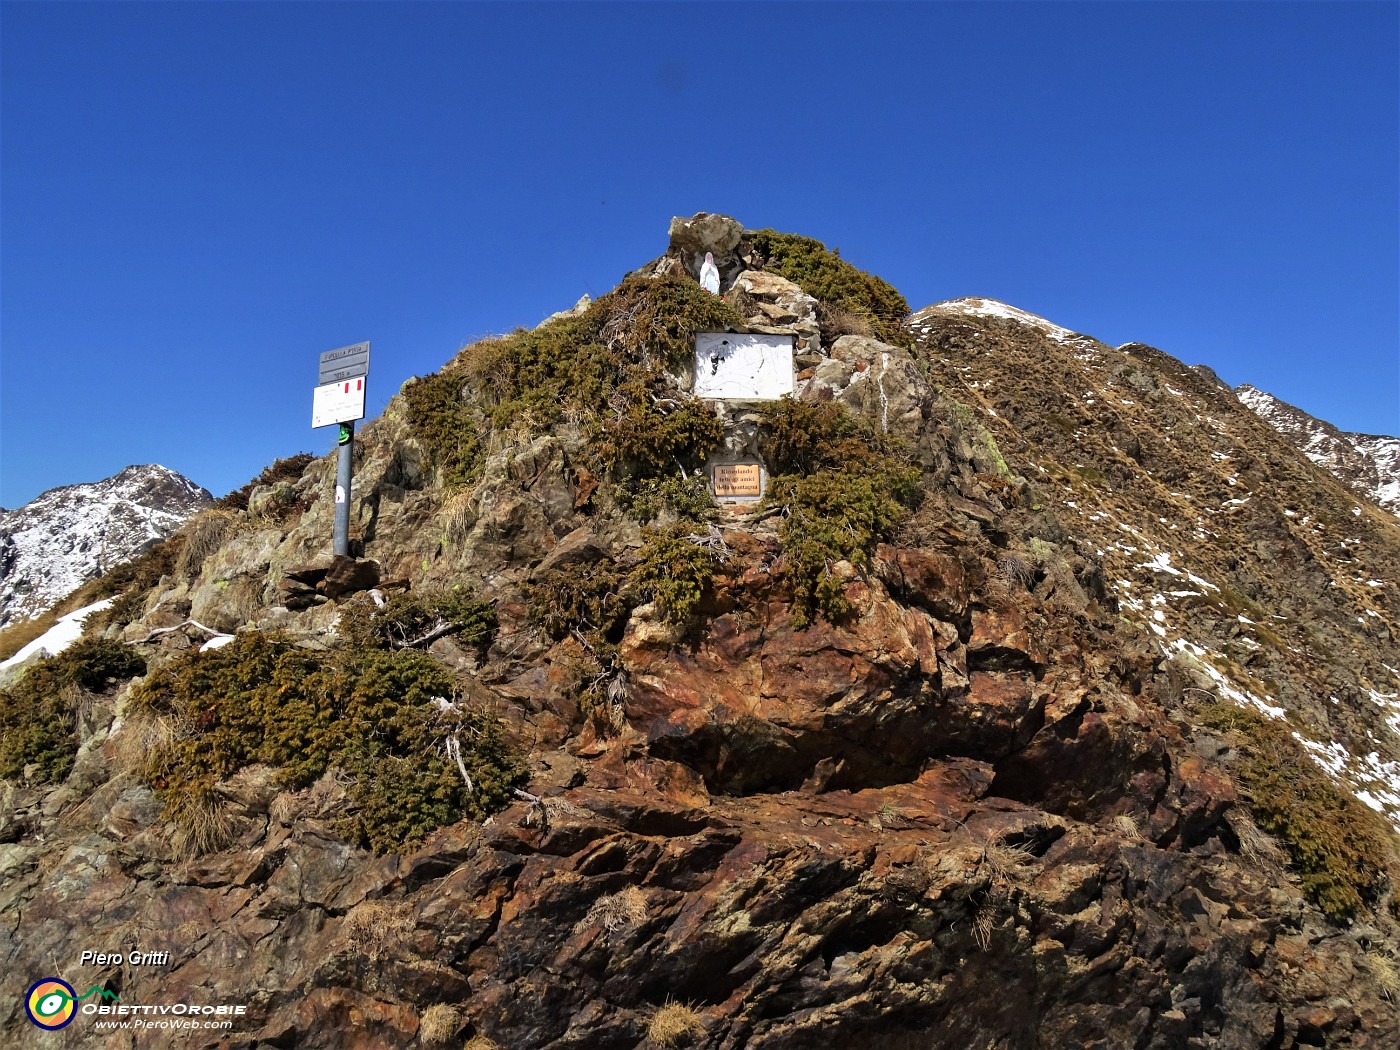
(347, 575)
(873, 379)
(763, 285)
(705, 232)
(579, 546)
(781, 305)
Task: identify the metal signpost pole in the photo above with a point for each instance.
(342, 488)
(339, 399)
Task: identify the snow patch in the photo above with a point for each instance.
(58, 637)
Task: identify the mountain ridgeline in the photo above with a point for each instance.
(1048, 697)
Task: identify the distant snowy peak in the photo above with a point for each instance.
(1368, 463)
(69, 535)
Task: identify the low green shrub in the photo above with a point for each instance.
(37, 719)
(130, 583)
(532, 376)
(823, 274)
(605, 368)
(125, 608)
(590, 601)
(642, 438)
(407, 616)
(1345, 853)
(836, 515)
(646, 499)
(803, 437)
(145, 570)
(593, 597)
(445, 424)
(674, 571)
(844, 489)
(653, 320)
(372, 713)
(289, 468)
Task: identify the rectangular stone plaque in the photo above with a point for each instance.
(738, 481)
(731, 366)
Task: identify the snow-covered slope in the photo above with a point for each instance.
(71, 534)
(1369, 463)
(1384, 454)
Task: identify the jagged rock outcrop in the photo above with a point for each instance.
(979, 808)
(1368, 463)
(69, 535)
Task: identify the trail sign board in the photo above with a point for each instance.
(340, 402)
(743, 367)
(349, 362)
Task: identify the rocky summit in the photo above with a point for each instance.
(78, 532)
(1048, 697)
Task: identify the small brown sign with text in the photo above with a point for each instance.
(738, 481)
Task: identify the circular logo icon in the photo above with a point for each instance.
(50, 1003)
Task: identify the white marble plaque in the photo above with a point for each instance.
(732, 367)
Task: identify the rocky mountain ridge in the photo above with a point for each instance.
(1208, 532)
(74, 533)
(1369, 463)
(1001, 722)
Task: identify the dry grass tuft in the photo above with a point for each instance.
(284, 809)
(1004, 862)
(135, 740)
(1124, 823)
(674, 1024)
(204, 534)
(1256, 846)
(984, 922)
(888, 816)
(1013, 568)
(616, 912)
(204, 824)
(992, 868)
(835, 322)
(561, 810)
(458, 516)
(1385, 974)
(373, 928)
(439, 1023)
(324, 798)
(81, 702)
(481, 1042)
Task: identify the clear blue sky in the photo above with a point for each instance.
(198, 199)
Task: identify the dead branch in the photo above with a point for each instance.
(188, 623)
